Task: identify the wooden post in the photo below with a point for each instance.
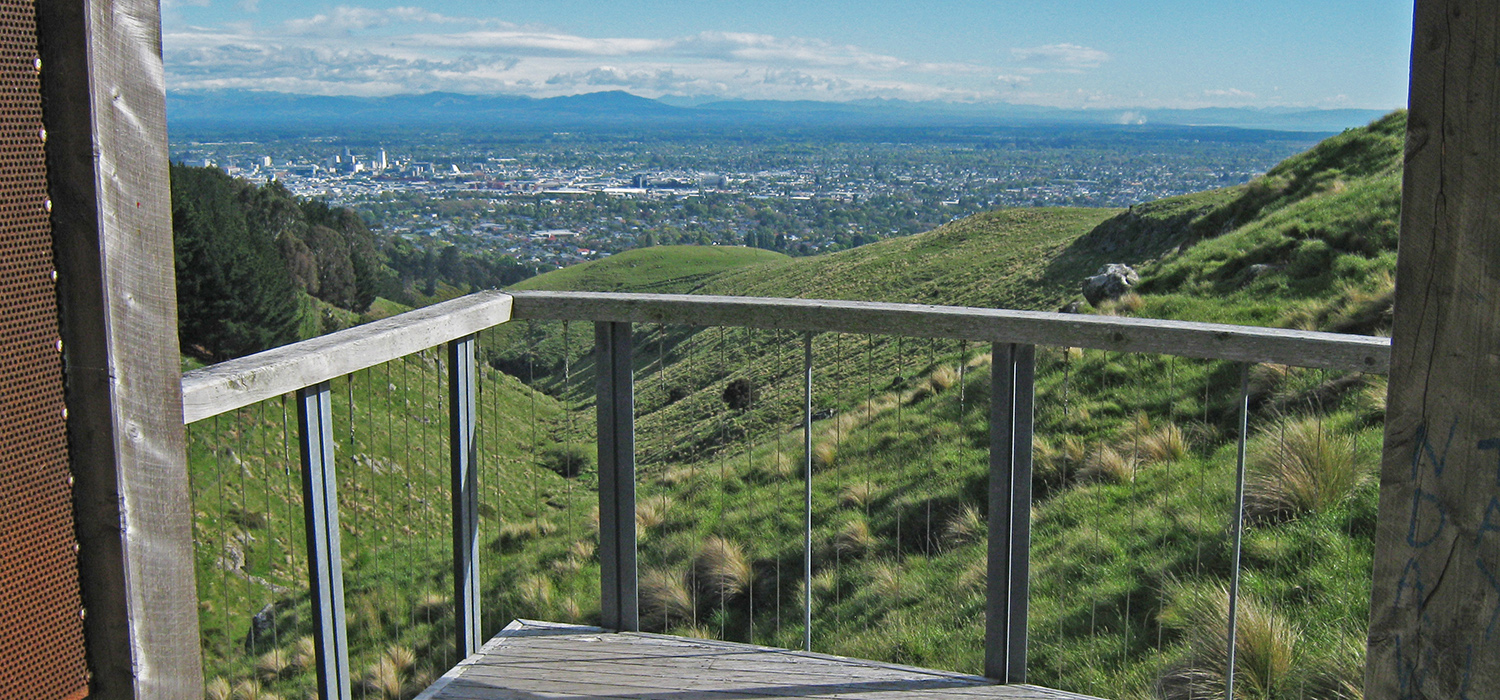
(619, 598)
(105, 112)
(1435, 607)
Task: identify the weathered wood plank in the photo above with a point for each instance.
(105, 113)
(531, 659)
(1202, 340)
(244, 381)
(1436, 596)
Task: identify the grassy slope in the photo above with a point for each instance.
(660, 270)
(899, 495)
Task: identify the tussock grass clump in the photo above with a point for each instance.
(1057, 463)
(432, 605)
(825, 453)
(384, 679)
(942, 378)
(251, 689)
(652, 512)
(517, 533)
(1108, 465)
(1299, 469)
(566, 565)
(665, 598)
(570, 610)
(974, 577)
(1267, 664)
(217, 689)
(1165, 444)
(885, 582)
(304, 653)
(723, 571)
(583, 550)
(274, 665)
(857, 495)
(854, 538)
(536, 592)
(967, 525)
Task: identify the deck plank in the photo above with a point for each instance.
(532, 660)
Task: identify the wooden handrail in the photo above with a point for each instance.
(229, 385)
(1216, 341)
(224, 387)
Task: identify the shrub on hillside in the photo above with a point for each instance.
(568, 459)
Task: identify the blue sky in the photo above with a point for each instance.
(1064, 53)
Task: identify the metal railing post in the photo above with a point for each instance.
(1239, 525)
(807, 524)
(1012, 398)
(618, 603)
(462, 421)
(324, 558)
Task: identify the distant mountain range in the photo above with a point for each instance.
(250, 109)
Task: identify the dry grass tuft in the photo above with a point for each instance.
(857, 495)
(536, 593)
(517, 533)
(885, 582)
(570, 611)
(665, 598)
(250, 689)
(274, 665)
(652, 512)
(1108, 465)
(305, 654)
(582, 550)
(566, 565)
(432, 605)
(1300, 468)
(1165, 444)
(974, 577)
(217, 689)
(854, 538)
(967, 525)
(942, 378)
(825, 453)
(1266, 660)
(384, 679)
(723, 571)
(1130, 303)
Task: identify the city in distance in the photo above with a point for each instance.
(610, 172)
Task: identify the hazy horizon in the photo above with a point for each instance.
(1164, 55)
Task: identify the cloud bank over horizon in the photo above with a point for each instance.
(356, 50)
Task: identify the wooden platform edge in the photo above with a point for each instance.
(517, 627)
(510, 631)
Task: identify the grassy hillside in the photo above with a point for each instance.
(677, 269)
(1134, 459)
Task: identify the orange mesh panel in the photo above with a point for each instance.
(41, 630)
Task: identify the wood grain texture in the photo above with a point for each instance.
(1436, 597)
(104, 108)
(1186, 339)
(244, 381)
(531, 659)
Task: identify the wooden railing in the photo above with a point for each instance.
(306, 368)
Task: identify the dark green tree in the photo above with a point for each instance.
(234, 295)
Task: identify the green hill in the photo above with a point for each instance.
(676, 269)
(1133, 476)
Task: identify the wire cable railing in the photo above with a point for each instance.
(628, 330)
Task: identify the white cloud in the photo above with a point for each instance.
(1061, 56)
(1230, 92)
(367, 51)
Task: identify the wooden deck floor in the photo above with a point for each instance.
(536, 660)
